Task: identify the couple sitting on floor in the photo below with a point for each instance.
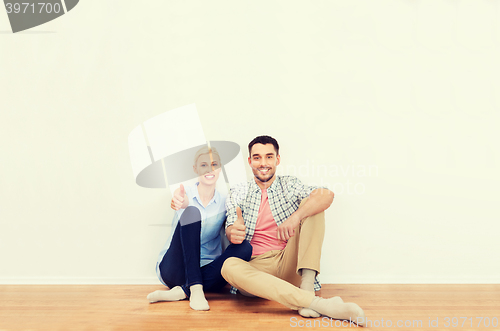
(275, 225)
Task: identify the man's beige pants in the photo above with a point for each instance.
(274, 275)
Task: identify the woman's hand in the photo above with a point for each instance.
(180, 199)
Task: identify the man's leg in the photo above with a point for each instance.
(243, 275)
(303, 251)
(300, 259)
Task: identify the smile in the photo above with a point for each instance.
(209, 176)
(263, 171)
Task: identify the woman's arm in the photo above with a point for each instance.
(180, 199)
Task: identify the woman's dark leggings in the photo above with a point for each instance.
(180, 265)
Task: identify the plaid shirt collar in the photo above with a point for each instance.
(254, 188)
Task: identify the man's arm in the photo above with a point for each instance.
(236, 232)
(228, 233)
(319, 200)
(235, 226)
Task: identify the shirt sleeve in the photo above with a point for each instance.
(231, 205)
(298, 190)
(232, 202)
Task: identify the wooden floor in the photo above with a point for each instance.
(124, 307)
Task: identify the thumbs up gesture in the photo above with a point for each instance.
(237, 230)
(180, 199)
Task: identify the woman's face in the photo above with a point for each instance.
(208, 170)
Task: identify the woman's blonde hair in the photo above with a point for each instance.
(206, 150)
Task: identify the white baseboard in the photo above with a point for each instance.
(429, 279)
(79, 281)
(353, 279)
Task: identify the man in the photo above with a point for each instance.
(284, 222)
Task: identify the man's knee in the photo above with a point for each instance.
(318, 218)
(313, 227)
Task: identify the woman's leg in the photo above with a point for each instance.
(181, 264)
(180, 267)
(190, 239)
(172, 269)
(212, 278)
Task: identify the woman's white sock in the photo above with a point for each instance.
(197, 300)
(174, 294)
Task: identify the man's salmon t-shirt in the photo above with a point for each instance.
(266, 230)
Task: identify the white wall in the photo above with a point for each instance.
(410, 88)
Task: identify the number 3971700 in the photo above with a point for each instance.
(34, 8)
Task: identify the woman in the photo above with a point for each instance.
(191, 261)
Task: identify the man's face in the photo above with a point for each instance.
(263, 161)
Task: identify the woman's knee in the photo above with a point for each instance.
(242, 251)
(190, 215)
(247, 250)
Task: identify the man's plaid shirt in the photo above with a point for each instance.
(284, 195)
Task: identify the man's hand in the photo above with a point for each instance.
(180, 199)
(287, 229)
(237, 231)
